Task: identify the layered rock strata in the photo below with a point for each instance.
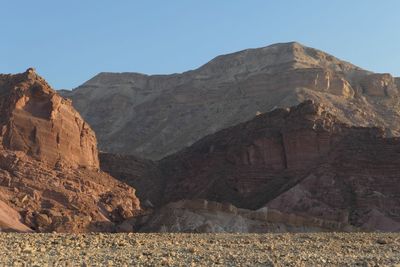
(154, 116)
(49, 168)
(301, 160)
(44, 125)
(202, 216)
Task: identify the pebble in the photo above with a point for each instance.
(332, 249)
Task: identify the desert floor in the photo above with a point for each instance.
(311, 249)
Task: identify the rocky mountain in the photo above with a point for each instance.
(303, 168)
(300, 161)
(154, 116)
(49, 167)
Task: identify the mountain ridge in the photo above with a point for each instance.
(219, 58)
(156, 115)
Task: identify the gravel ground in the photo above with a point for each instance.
(317, 249)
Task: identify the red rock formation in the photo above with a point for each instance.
(10, 220)
(36, 120)
(253, 162)
(300, 161)
(49, 165)
(63, 199)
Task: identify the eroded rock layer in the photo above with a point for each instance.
(300, 160)
(63, 199)
(202, 216)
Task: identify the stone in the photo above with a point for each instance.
(41, 123)
(42, 220)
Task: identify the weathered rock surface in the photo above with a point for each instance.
(49, 168)
(36, 120)
(379, 85)
(63, 199)
(154, 116)
(10, 220)
(301, 160)
(202, 216)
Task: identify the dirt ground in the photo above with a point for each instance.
(314, 249)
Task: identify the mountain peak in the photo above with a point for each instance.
(272, 59)
(156, 115)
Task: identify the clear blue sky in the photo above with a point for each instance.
(71, 41)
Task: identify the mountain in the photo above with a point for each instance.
(49, 167)
(154, 116)
(299, 161)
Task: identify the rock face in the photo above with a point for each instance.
(63, 199)
(10, 220)
(379, 85)
(154, 116)
(49, 168)
(36, 120)
(251, 163)
(300, 160)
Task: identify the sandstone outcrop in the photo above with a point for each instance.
(63, 199)
(10, 220)
(154, 116)
(49, 168)
(301, 160)
(36, 120)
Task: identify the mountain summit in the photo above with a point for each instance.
(154, 116)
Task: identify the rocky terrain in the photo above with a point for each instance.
(154, 116)
(316, 249)
(49, 168)
(301, 161)
(203, 216)
(295, 169)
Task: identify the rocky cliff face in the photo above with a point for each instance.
(300, 160)
(63, 200)
(36, 120)
(49, 169)
(154, 116)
